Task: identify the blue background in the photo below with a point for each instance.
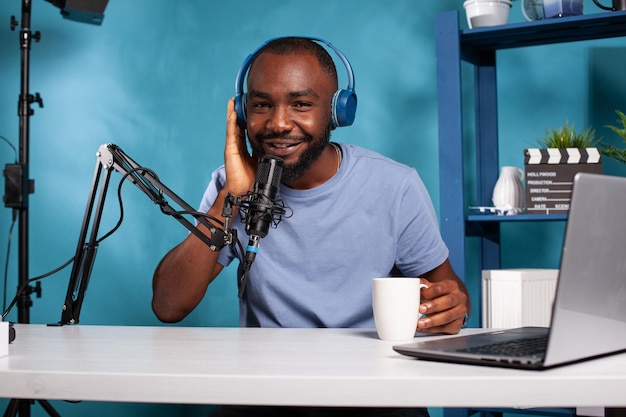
(155, 78)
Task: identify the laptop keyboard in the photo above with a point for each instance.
(514, 348)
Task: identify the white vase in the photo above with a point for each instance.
(508, 193)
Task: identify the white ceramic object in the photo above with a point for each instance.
(395, 302)
(487, 12)
(508, 193)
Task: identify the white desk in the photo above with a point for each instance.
(278, 367)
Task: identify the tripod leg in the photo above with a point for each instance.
(46, 406)
(23, 408)
(11, 410)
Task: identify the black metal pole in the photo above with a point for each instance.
(24, 112)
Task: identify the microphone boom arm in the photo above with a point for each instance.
(110, 157)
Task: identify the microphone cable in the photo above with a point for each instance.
(277, 210)
(10, 237)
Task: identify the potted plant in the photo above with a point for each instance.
(612, 151)
(567, 137)
(550, 168)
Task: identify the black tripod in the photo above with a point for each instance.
(20, 172)
(18, 184)
(24, 405)
(22, 187)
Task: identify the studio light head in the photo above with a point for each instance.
(85, 11)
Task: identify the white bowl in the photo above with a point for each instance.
(487, 12)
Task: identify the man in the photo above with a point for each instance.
(356, 214)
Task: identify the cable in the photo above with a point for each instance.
(6, 264)
(72, 259)
(11, 145)
(10, 237)
(37, 278)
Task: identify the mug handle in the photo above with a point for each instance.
(600, 5)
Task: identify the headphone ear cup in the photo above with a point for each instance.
(240, 109)
(343, 108)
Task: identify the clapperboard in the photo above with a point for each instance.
(550, 175)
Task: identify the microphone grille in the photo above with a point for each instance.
(270, 170)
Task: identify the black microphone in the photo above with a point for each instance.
(261, 208)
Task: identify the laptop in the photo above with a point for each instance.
(589, 311)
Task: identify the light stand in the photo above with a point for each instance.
(21, 170)
(18, 184)
(19, 187)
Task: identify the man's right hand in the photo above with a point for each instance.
(184, 274)
(240, 166)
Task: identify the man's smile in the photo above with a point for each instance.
(281, 148)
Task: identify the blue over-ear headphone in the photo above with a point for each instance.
(343, 106)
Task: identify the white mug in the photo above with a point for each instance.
(396, 304)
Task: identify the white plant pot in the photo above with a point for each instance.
(487, 12)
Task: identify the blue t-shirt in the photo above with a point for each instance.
(316, 268)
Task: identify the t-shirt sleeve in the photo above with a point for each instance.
(420, 245)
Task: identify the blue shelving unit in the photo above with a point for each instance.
(478, 47)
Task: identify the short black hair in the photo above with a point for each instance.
(295, 45)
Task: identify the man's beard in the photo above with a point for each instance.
(297, 170)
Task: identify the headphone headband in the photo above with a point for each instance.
(343, 106)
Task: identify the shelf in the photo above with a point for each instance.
(479, 48)
(544, 32)
(516, 218)
(487, 226)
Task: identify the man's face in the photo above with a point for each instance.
(288, 110)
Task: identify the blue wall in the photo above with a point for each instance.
(155, 77)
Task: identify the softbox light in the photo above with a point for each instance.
(85, 11)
